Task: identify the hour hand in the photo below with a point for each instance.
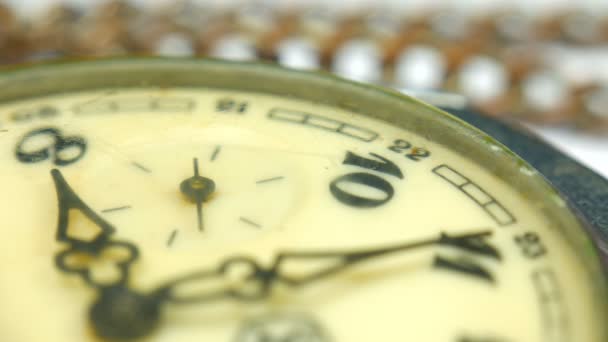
(91, 241)
(86, 240)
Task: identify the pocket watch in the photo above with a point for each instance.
(202, 200)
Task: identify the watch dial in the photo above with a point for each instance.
(214, 215)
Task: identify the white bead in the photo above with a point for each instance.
(256, 16)
(298, 53)
(597, 103)
(319, 21)
(175, 45)
(545, 90)
(583, 27)
(358, 60)
(420, 67)
(383, 23)
(233, 47)
(483, 78)
(451, 24)
(516, 26)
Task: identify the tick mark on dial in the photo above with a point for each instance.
(249, 222)
(141, 167)
(172, 238)
(109, 210)
(269, 180)
(215, 152)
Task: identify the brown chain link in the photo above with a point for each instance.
(509, 38)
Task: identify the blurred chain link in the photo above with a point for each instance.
(498, 60)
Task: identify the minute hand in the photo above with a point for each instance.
(257, 281)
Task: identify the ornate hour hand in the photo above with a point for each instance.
(197, 189)
(79, 257)
(126, 307)
(68, 200)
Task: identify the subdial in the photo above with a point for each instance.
(239, 192)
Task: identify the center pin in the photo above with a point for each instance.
(197, 189)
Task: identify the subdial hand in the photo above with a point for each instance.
(197, 189)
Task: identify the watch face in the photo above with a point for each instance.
(170, 211)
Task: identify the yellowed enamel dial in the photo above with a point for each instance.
(203, 201)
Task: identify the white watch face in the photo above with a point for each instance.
(183, 214)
